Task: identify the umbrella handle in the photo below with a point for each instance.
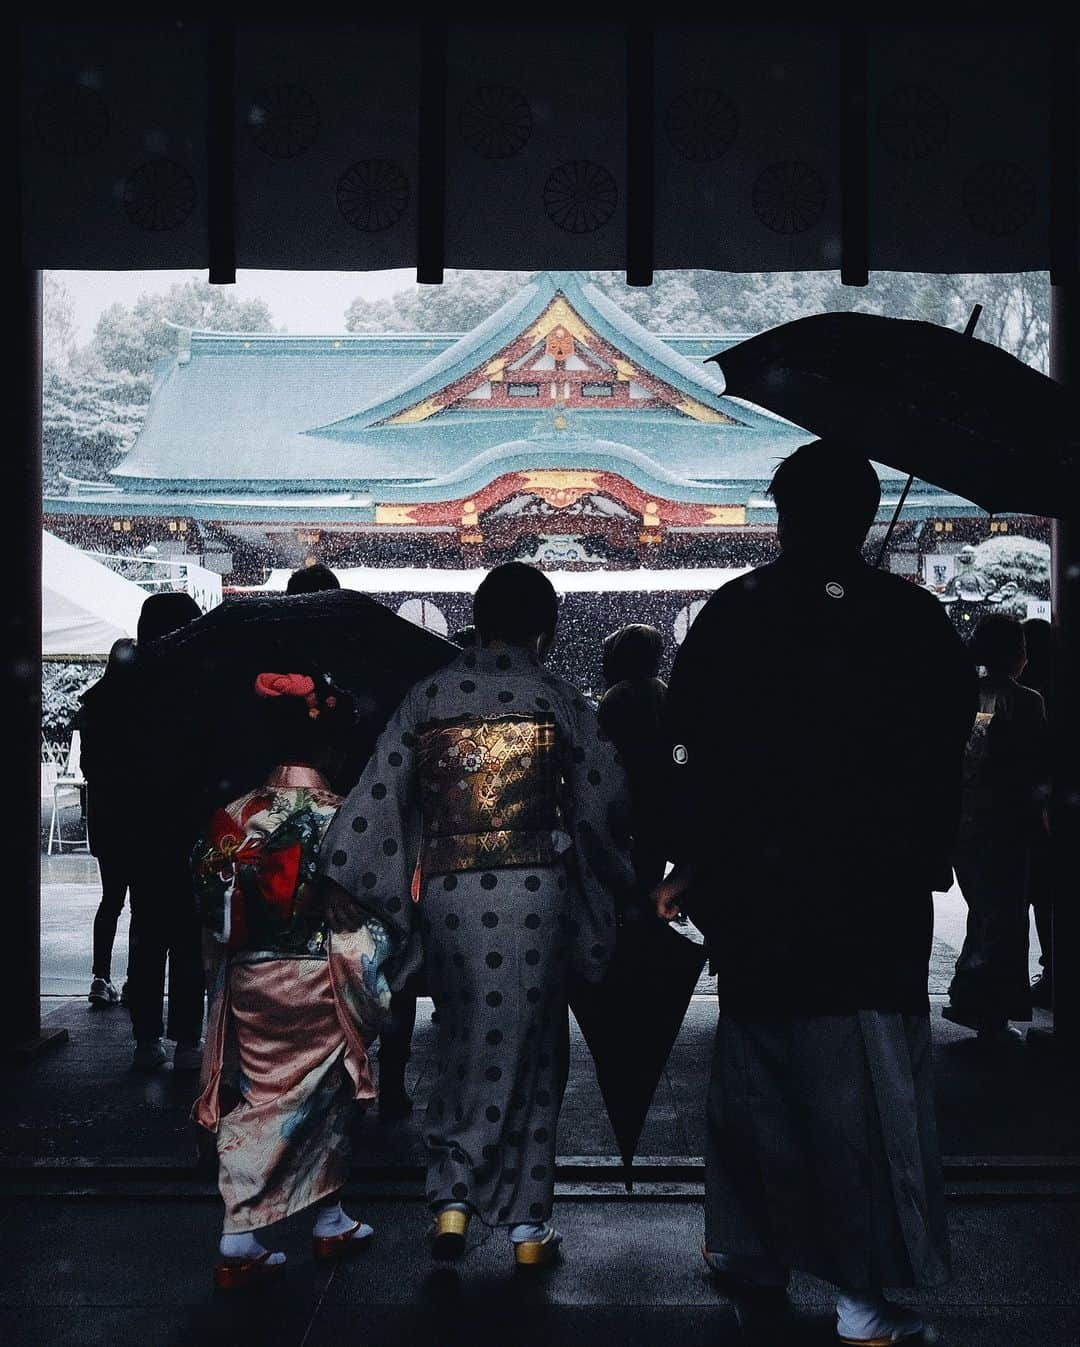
(969, 331)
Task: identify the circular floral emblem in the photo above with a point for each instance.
(702, 124)
(496, 121)
(913, 122)
(580, 196)
(999, 198)
(789, 197)
(283, 121)
(834, 589)
(680, 755)
(71, 119)
(372, 195)
(159, 196)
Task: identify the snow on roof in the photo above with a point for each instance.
(429, 580)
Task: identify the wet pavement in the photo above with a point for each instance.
(108, 1218)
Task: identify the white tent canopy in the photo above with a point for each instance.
(85, 606)
(428, 580)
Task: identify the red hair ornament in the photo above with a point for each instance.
(292, 685)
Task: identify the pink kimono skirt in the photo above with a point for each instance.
(285, 1061)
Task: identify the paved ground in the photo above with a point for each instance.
(108, 1221)
(109, 1271)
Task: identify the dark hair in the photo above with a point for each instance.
(998, 642)
(293, 734)
(165, 613)
(515, 603)
(312, 579)
(826, 486)
(466, 638)
(634, 651)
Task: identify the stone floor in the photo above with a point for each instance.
(116, 1271)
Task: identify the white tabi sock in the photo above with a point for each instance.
(866, 1316)
(521, 1234)
(332, 1220)
(246, 1246)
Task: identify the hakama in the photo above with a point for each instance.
(822, 1148)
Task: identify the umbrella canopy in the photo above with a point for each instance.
(631, 1019)
(929, 401)
(205, 675)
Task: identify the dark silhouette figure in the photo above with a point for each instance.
(1037, 675)
(106, 725)
(631, 714)
(819, 709)
(312, 579)
(1003, 821)
(165, 817)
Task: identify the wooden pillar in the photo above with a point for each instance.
(20, 999)
(1065, 808)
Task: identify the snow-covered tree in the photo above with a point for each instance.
(90, 418)
(1016, 307)
(1018, 566)
(58, 336)
(134, 339)
(464, 299)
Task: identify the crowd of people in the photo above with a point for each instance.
(827, 751)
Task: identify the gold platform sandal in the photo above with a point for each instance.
(451, 1227)
(538, 1252)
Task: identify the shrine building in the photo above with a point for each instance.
(559, 431)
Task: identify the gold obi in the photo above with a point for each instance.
(489, 792)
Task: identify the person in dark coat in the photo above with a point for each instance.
(166, 814)
(1037, 675)
(631, 714)
(818, 710)
(312, 580)
(106, 726)
(1003, 824)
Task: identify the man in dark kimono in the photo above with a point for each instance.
(818, 713)
(495, 776)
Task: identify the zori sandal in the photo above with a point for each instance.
(327, 1248)
(237, 1274)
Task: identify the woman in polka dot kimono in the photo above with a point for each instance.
(494, 777)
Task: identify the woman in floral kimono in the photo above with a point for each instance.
(292, 1006)
(495, 775)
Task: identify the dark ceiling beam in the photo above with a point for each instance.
(640, 151)
(1064, 114)
(431, 169)
(855, 154)
(220, 151)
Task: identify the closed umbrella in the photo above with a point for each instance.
(631, 1019)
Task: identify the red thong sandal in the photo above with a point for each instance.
(236, 1274)
(327, 1248)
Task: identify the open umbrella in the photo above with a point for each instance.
(631, 1019)
(938, 404)
(205, 674)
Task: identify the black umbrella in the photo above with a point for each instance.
(631, 1019)
(938, 404)
(205, 674)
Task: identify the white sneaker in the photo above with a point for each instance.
(149, 1055)
(103, 993)
(187, 1057)
(872, 1321)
